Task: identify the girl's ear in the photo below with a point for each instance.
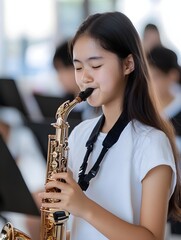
(129, 64)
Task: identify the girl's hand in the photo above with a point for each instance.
(71, 197)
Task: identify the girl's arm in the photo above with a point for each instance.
(68, 235)
(154, 206)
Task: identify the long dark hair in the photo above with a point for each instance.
(116, 33)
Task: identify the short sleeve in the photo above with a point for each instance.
(155, 151)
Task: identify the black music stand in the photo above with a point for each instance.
(11, 97)
(48, 104)
(14, 193)
(42, 129)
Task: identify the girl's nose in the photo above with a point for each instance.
(86, 77)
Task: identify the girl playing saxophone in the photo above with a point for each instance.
(125, 180)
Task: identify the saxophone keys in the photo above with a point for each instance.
(55, 154)
(54, 164)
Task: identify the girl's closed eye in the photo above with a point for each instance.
(78, 68)
(98, 66)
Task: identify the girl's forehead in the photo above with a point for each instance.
(84, 41)
(85, 47)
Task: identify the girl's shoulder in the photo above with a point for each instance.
(143, 130)
(135, 130)
(152, 148)
(145, 135)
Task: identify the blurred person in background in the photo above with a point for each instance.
(24, 148)
(64, 67)
(151, 37)
(166, 74)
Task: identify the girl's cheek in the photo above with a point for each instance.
(79, 81)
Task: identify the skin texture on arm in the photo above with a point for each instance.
(153, 216)
(68, 235)
(155, 199)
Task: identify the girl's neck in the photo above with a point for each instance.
(111, 117)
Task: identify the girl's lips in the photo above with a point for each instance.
(91, 90)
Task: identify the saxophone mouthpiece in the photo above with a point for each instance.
(85, 94)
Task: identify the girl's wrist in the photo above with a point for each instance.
(86, 212)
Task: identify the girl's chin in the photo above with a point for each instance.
(93, 103)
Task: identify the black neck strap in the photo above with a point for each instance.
(109, 141)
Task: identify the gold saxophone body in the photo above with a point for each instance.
(53, 221)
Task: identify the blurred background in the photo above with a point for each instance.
(30, 31)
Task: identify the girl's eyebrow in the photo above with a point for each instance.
(89, 59)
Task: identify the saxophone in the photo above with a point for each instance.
(53, 221)
(10, 233)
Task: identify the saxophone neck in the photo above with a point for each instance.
(65, 108)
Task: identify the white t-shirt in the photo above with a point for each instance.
(118, 185)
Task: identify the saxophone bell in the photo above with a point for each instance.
(10, 233)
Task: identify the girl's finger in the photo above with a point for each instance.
(66, 176)
(50, 195)
(55, 184)
(54, 205)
